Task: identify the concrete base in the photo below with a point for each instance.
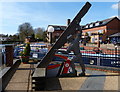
(68, 83)
(39, 72)
(38, 79)
(42, 82)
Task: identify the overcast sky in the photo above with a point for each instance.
(42, 14)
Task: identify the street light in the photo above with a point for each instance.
(51, 30)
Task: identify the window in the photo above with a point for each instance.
(89, 33)
(101, 22)
(58, 28)
(97, 24)
(86, 26)
(82, 27)
(100, 31)
(93, 33)
(91, 25)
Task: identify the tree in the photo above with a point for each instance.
(44, 36)
(32, 37)
(14, 37)
(39, 33)
(25, 30)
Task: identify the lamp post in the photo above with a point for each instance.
(50, 30)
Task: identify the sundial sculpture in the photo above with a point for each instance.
(70, 30)
(40, 70)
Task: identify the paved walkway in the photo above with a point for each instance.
(95, 80)
(21, 80)
(98, 80)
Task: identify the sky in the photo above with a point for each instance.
(42, 14)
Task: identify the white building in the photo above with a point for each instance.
(3, 38)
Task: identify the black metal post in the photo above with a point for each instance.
(50, 38)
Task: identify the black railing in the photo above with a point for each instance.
(110, 58)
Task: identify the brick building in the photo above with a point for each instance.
(98, 31)
(101, 30)
(57, 31)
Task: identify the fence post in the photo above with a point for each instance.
(98, 61)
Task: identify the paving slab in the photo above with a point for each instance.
(95, 80)
(112, 81)
(20, 80)
(70, 83)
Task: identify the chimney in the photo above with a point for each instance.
(68, 22)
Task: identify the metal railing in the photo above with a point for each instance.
(105, 57)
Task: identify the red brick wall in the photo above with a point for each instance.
(95, 29)
(56, 32)
(112, 27)
(56, 35)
